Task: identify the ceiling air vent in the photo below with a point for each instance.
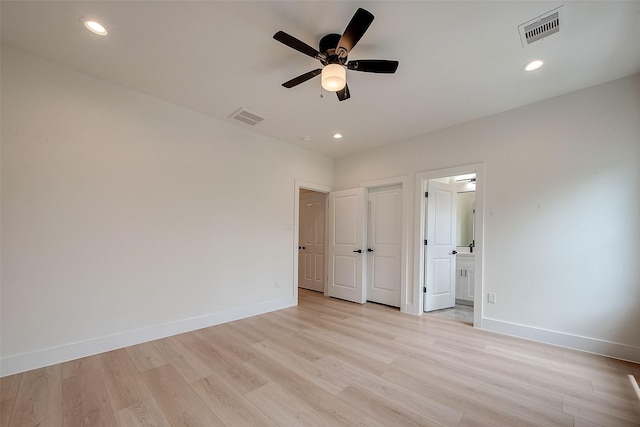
(246, 117)
(540, 27)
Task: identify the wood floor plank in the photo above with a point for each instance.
(352, 344)
(621, 388)
(145, 414)
(81, 366)
(190, 366)
(229, 404)
(325, 347)
(597, 414)
(389, 413)
(432, 410)
(179, 403)
(272, 328)
(39, 398)
(617, 407)
(581, 422)
(284, 410)
(9, 387)
(123, 381)
(468, 375)
(323, 378)
(461, 401)
(86, 401)
(469, 421)
(327, 405)
(222, 360)
(146, 356)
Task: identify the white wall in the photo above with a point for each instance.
(126, 218)
(562, 212)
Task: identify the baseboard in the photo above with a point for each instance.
(576, 342)
(37, 359)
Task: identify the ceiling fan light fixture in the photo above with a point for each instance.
(334, 77)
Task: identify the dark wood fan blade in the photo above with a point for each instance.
(354, 32)
(301, 78)
(373, 66)
(343, 94)
(296, 44)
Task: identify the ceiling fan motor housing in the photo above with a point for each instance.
(328, 46)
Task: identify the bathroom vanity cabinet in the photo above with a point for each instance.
(465, 277)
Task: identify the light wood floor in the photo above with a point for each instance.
(329, 363)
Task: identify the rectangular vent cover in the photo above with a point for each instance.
(540, 27)
(246, 117)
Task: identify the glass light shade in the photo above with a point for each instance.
(334, 77)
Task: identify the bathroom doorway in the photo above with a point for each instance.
(450, 223)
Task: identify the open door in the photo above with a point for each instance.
(311, 245)
(347, 251)
(440, 253)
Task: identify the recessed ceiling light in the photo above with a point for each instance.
(533, 65)
(337, 136)
(96, 27)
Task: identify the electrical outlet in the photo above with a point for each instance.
(491, 298)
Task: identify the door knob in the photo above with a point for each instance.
(369, 250)
(454, 252)
(358, 251)
(304, 247)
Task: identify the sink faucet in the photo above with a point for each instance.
(472, 245)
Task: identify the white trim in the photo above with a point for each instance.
(296, 229)
(406, 305)
(576, 342)
(37, 359)
(421, 186)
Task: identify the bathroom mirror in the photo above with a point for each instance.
(466, 218)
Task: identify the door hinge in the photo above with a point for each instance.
(425, 242)
(424, 289)
(426, 194)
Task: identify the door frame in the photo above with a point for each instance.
(406, 305)
(296, 229)
(422, 180)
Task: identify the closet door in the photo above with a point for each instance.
(384, 249)
(347, 250)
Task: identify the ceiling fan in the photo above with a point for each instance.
(333, 52)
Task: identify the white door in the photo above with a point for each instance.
(440, 258)
(347, 251)
(311, 247)
(384, 249)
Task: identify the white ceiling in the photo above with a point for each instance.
(459, 61)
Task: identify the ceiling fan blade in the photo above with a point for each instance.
(343, 94)
(301, 78)
(373, 66)
(296, 44)
(354, 32)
